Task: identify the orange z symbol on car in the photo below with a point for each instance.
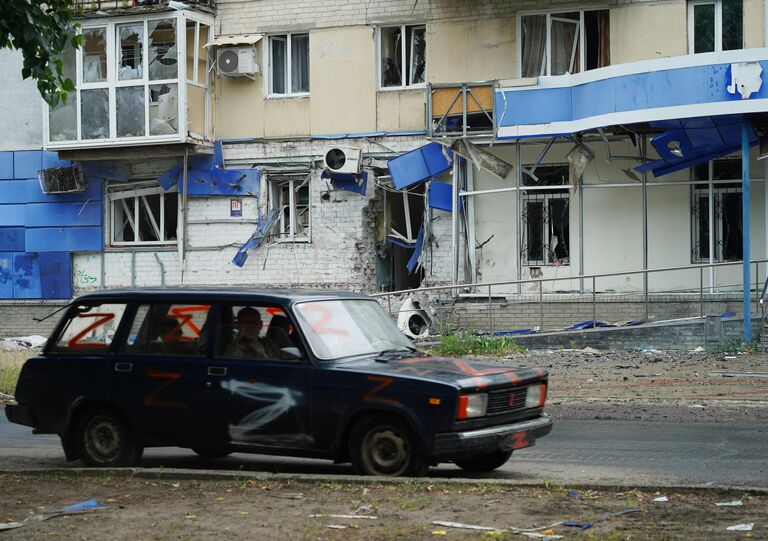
(371, 395)
(520, 440)
(75, 342)
(169, 378)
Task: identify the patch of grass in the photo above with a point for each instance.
(10, 366)
(457, 344)
(735, 344)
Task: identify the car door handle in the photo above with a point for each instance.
(217, 371)
(123, 367)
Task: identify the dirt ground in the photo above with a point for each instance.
(140, 508)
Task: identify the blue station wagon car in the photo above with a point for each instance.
(300, 373)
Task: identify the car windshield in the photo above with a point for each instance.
(345, 328)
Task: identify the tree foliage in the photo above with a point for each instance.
(41, 30)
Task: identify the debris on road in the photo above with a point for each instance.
(741, 527)
(461, 526)
(20, 343)
(343, 516)
(734, 374)
(661, 499)
(734, 503)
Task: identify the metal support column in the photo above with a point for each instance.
(455, 222)
(645, 231)
(747, 305)
(519, 222)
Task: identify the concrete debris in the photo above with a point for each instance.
(459, 525)
(370, 517)
(747, 527)
(734, 374)
(661, 499)
(699, 350)
(590, 351)
(733, 503)
(20, 343)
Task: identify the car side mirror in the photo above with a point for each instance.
(291, 354)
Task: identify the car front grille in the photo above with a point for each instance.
(506, 400)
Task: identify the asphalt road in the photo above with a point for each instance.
(576, 452)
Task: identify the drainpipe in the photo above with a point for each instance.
(162, 270)
(746, 297)
(519, 224)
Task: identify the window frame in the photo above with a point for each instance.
(544, 194)
(718, 38)
(139, 190)
(403, 56)
(275, 201)
(112, 81)
(269, 81)
(581, 45)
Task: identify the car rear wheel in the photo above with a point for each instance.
(484, 463)
(385, 445)
(212, 453)
(103, 440)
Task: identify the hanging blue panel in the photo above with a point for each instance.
(231, 182)
(6, 165)
(6, 275)
(55, 275)
(440, 196)
(420, 164)
(13, 214)
(26, 276)
(349, 182)
(414, 260)
(64, 239)
(63, 214)
(12, 239)
(262, 228)
(93, 192)
(27, 163)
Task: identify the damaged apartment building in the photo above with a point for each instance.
(387, 145)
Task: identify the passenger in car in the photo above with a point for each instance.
(247, 343)
(170, 335)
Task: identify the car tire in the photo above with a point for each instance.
(486, 462)
(211, 453)
(385, 445)
(103, 440)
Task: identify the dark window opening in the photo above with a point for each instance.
(546, 216)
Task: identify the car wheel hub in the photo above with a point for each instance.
(387, 451)
(103, 442)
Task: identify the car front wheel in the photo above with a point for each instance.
(103, 440)
(486, 462)
(385, 445)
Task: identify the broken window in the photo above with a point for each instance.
(62, 119)
(554, 44)
(163, 62)
(289, 63)
(402, 54)
(291, 198)
(726, 230)
(546, 216)
(142, 213)
(715, 25)
(130, 44)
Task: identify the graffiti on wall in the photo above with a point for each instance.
(86, 271)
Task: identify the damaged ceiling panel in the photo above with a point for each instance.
(691, 141)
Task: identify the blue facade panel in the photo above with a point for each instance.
(55, 275)
(6, 165)
(6, 275)
(594, 99)
(26, 276)
(14, 191)
(11, 239)
(93, 192)
(420, 164)
(64, 214)
(27, 163)
(13, 215)
(61, 239)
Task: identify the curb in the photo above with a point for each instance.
(229, 475)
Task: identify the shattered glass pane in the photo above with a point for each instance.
(733, 25)
(391, 56)
(94, 55)
(563, 43)
(94, 113)
(278, 46)
(534, 45)
(163, 63)
(163, 109)
(534, 228)
(300, 63)
(62, 119)
(559, 230)
(130, 45)
(415, 55)
(130, 111)
(703, 28)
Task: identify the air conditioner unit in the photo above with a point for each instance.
(237, 61)
(342, 160)
(61, 180)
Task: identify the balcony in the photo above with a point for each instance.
(460, 110)
(140, 79)
(91, 8)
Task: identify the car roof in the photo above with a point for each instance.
(208, 294)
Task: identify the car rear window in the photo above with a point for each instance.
(89, 329)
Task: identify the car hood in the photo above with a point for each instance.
(459, 372)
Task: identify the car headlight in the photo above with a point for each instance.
(472, 405)
(535, 395)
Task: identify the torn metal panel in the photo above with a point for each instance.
(243, 39)
(440, 196)
(414, 262)
(262, 230)
(350, 182)
(420, 164)
(482, 159)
